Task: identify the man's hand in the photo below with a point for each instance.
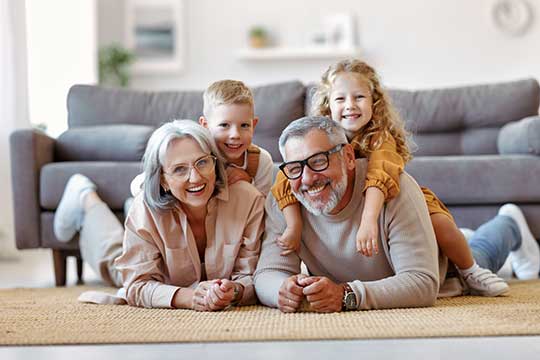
(234, 175)
(291, 294)
(322, 293)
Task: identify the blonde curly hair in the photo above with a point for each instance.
(385, 120)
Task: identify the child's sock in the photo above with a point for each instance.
(468, 271)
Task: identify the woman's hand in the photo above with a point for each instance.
(367, 237)
(199, 301)
(222, 294)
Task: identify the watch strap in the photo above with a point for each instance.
(347, 293)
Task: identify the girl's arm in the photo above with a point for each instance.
(289, 241)
(281, 190)
(385, 166)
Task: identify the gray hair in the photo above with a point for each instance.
(154, 194)
(301, 127)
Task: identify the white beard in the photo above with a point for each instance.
(336, 194)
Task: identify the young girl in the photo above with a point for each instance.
(351, 94)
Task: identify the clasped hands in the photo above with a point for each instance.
(216, 295)
(322, 294)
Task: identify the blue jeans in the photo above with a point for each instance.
(493, 241)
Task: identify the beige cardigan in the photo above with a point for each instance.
(160, 253)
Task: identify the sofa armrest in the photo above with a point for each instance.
(30, 150)
(520, 137)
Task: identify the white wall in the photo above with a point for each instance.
(413, 44)
(13, 108)
(61, 52)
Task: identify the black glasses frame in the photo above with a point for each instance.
(305, 162)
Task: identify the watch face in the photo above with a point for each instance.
(350, 301)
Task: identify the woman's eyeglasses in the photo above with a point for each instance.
(204, 166)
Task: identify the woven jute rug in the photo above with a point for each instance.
(53, 316)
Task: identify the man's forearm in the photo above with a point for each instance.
(412, 289)
(267, 284)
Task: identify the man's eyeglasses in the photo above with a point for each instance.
(204, 166)
(316, 162)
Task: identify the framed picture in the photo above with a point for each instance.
(155, 33)
(340, 31)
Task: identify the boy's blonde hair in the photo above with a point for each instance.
(226, 92)
(385, 120)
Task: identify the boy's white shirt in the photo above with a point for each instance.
(262, 180)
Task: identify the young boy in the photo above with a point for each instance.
(230, 116)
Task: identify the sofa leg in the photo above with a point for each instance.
(60, 265)
(79, 270)
(59, 259)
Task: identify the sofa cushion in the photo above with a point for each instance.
(90, 105)
(103, 143)
(467, 107)
(112, 180)
(467, 142)
(461, 120)
(483, 179)
(276, 106)
(472, 216)
(48, 239)
(520, 137)
(467, 116)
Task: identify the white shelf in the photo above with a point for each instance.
(290, 53)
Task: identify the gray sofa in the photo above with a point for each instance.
(477, 147)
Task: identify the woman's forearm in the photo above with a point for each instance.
(183, 299)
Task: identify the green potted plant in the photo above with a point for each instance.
(258, 37)
(114, 61)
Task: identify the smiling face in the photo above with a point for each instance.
(194, 191)
(351, 102)
(327, 191)
(232, 127)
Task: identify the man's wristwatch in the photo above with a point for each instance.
(349, 298)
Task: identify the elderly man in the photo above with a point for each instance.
(328, 181)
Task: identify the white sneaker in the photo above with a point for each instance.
(526, 259)
(485, 283)
(69, 214)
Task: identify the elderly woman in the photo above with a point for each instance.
(190, 241)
